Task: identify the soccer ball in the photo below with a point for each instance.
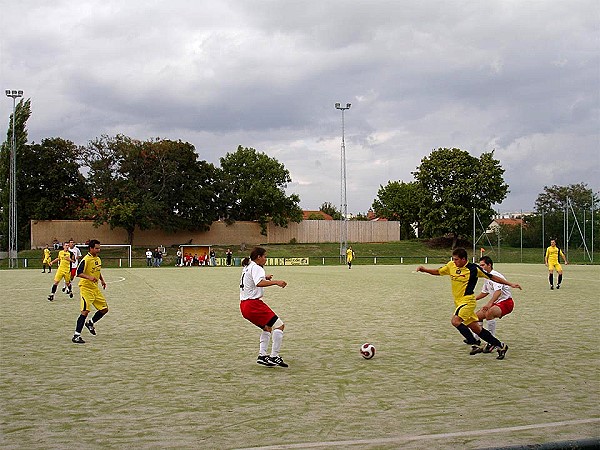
(367, 351)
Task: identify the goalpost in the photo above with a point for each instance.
(120, 253)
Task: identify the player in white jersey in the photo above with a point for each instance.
(499, 305)
(77, 255)
(252, 284)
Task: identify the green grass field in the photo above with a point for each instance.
(173, 364)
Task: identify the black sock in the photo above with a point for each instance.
(99, 315)
(551, 279)
(54, 286)
(466, 332)
(80, 323)
(489, 337)
(559, 278)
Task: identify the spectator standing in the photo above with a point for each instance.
(213, 258)
(228, 257)
(149, 258)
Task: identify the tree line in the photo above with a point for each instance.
(159, 183)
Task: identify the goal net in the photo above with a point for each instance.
(112, 255)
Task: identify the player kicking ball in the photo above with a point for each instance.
(253, 309)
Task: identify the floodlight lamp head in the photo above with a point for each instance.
(20, 94)
(337, 105)
(348, 105)
(7, 92)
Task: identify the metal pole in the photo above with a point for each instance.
(474, 234)
(13, 261)
(521, 235)
(343, 191)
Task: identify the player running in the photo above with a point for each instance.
(89, 270)
(64, 271)
(46, 261)
(77, 254)
(463, 278)
(499, 305)
(253, 309)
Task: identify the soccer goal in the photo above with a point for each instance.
(112, 255)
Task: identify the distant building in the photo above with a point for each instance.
(311, 215)
(497, 223)
(373, 218)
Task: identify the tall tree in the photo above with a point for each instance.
(456, 183)
(52, 186)
(554, 198)
(21, 115)
(156, 183)
(256, 189)
(329, 208)
(400, 201)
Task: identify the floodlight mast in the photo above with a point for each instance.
(343, 196)
(13, 261)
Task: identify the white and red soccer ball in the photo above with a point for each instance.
(367, 350)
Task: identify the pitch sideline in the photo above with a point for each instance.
(401, 439)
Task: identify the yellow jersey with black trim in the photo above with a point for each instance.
(47, 257)
(89, 265)
(65, 260)
(463, 279)
(552, 255)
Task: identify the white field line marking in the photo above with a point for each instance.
(399, 439)
(45, 288)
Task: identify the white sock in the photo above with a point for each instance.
(491, 326)
(265, 337)
(277, 340)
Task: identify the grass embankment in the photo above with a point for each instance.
(403, 252)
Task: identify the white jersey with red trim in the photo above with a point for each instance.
(77, 255)
(489, 287)
(251, 276)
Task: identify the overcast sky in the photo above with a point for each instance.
(519, 77)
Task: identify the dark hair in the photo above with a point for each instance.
(460, 252)
(245, 261)
(486, 259)
(93, 243)
(256, 252)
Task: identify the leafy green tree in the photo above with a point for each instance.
(330, 209)
(456, 183)
(552, 205)
(51, 184)
(156, 183)
(554, 198)
(400, 201)
(256, 189)
(22, 113)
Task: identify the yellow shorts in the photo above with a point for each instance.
(63, 273)
(46, 261)
(91, 297)
(465, 309)
(554, 266)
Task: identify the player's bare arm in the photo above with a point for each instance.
(429, 271)
(270, 282)
(501, 280)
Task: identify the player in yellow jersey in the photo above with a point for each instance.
(89, 270)
(463, 278)
(551, 260)
(64, 270)
(349, 257)
(46, 260)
